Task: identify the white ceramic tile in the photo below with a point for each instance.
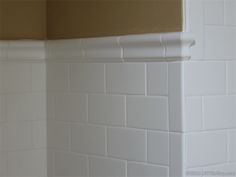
(27, 163)
(26, 106)
(214, 12)
(206, 148)
(39, 133)
(50, 163)
(157, 78)
(197, 172)
(70, 165)
(39, 76)
(65, 49)
(232, 146)
(231, 77)
(107, 110)
(127, 144)
(102, 49)
(221, 169)
(3, 136)
(105, 167)
(71, 107)
(17, 77)
(87, 77)
(3, 164)
(3, 51)
(175, 96)
(50, 106)
(219, 43)
(158, 148)
(2, 108)
(39, 106)
(1, 76)
(172, 48)
(177, 154)
(58, 135)
(219, 112)
(32, 50)
(141, 170)
(18, 135)
(89, 139)
(19, 107)
(142, 46)
(204, 78)
(147, 112)
(57, 76)
(193, 113)
(230, 12)
(195, 22)
(125, 78)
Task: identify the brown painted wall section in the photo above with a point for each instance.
(22, 19)
(27, 19)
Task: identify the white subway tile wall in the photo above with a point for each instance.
(209, 83)
(106, 110)
(23, 126)
(200, 149)
(106, 167)
(141, 170)
(158, 144)
(126, 78)
(147, 112)
(68, 118)
(69, 164)
(113, 115)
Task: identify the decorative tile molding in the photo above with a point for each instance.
(68, 49)
(102, 49)
(132, 48)
(142, 47)
(22, 50)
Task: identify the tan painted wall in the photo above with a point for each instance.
(22, 19)
(26, 19)
(86, 18)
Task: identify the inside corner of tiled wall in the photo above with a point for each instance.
(133, 119)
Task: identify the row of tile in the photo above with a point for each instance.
(114, 110)
(120, 78)
(201, 78)
(209, 78)
(31, 50)
(112, 78)
(22, 77)
(199, 147)
(24, 163)
(120, 143)
(23, 135)
(210, 113)
(27, 77)
(210, 148)
(129, 144)
(146, 47)
(101, 166)
(226, 169)
(21, 107)
(220, 12)
(213, 24)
